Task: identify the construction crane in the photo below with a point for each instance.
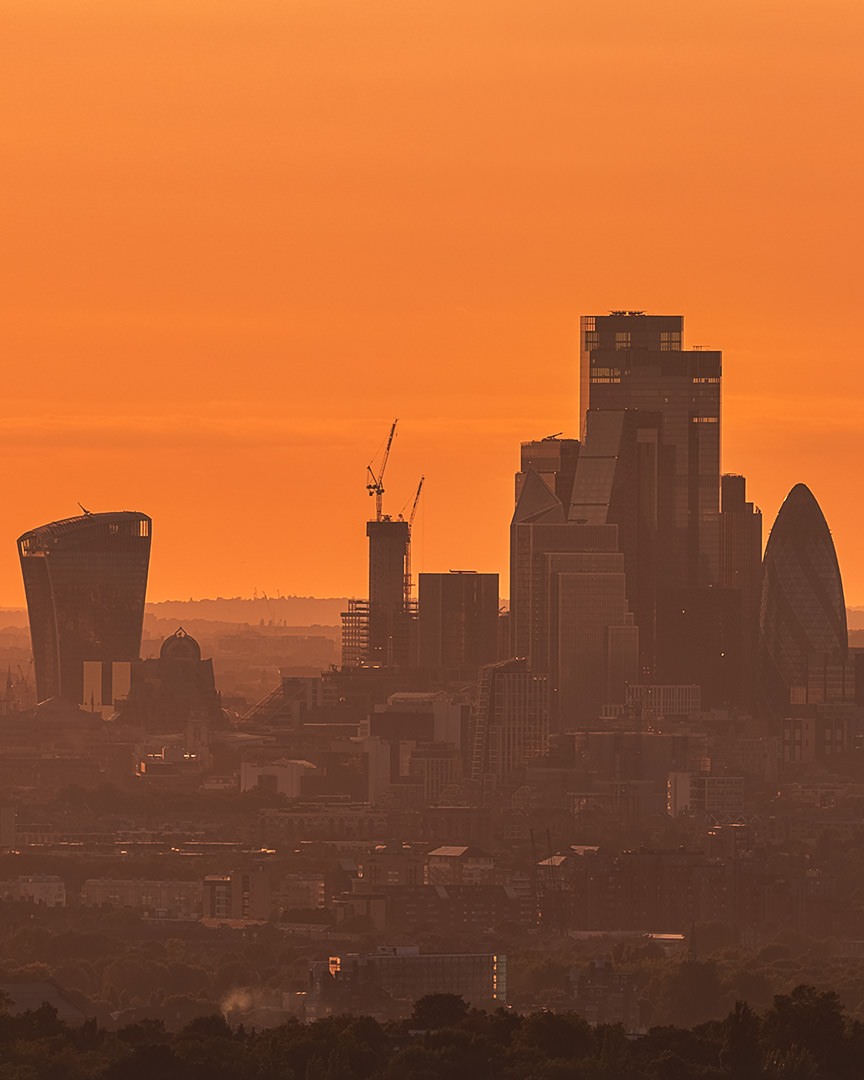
(411, 516)
(375, 483)
(413, 513)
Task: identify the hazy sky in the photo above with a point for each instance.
(238, 238)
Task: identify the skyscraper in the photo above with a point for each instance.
(458, 620)
(621, 331)
(644, 369)
(568, 606)
(381, 631)
(618, 482)
(511, 724)
(650, 464)
(85, 579)
(553, 459)
(741, 570)
(803, 609)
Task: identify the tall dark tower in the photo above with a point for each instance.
(458, 620)
(85, 580)
(635, 362)
(389, 642)
(803, 610)
(381, 631)
(741, 570)
(620, 331)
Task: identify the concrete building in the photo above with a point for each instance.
(242, 894)
(405, 975)
(381, 631)
(158, 899)
(460, 864)
(283, 776)
(47, 890)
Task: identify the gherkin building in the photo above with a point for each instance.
(802, 610)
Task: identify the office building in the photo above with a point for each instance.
(569, 612)
(633, 361)
(458, 620)
(553, 459)
(741, 571)
(593, 641)
(85, 579)
(620, 331)
(511, 724)
(802, 609)
(618, 482)
(539, 529)
(650, 464)
(405, 975)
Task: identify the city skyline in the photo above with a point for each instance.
(395, 504)
(242, 242)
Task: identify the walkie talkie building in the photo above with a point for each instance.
(85, 580)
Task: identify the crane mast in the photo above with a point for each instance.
(375, 481)
(411, 516)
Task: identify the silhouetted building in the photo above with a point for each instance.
(242, 894)
(354, 981)
(568, 605)
(458, 620)
(618, 481)
(741, 570)
(700, 642)
(645, 369)
(539, 529)
(554, 460)
(381, 631)
(650, 464)
(85, 580)
(511, 724)
(168, 693)
(803, 610)
(620, 331)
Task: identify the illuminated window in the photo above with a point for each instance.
(622, 340)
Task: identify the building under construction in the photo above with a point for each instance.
(381, 631)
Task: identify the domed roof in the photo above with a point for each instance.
(180, 646)
(803, 610)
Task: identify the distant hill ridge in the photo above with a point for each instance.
(290, 610)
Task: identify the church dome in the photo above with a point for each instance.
(180, 646)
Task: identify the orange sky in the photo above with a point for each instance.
(238, 238)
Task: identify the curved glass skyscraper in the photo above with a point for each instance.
(85, 580)
(802, 610)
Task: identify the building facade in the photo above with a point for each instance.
(511, 724)
(458, 620)
(85, 579)
(802, 607)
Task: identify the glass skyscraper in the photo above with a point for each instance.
(803, 610)
(85, 579)
(635, 362)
